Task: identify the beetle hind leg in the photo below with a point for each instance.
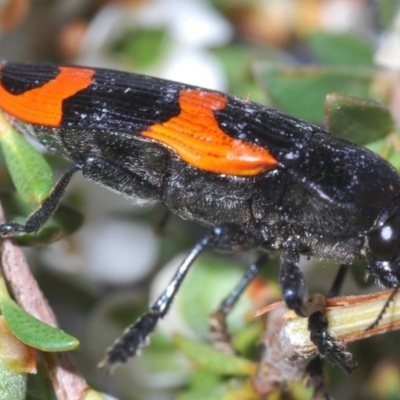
(135, 337)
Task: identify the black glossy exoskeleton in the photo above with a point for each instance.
(256, 177)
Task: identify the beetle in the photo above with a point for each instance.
(256, 177)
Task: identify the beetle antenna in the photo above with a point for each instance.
(384, 308)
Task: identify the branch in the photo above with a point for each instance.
(67, 383)
(288, 348)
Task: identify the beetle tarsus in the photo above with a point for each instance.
(11, 228)
(133, 339)
(40, 216)
(329, 348)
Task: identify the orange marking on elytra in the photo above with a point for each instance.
(198, 139)
(43, 105)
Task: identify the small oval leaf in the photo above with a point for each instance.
(341, 49)
(285, 85)
(43, 237)
(32, 176)
(33, 332)
(359, 120)
(213, 360)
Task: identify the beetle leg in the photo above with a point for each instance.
(135, 337)
(293, 287)
(337, 284)
(218, 328)
(39, 217)
(329, 348)
(93, 168)
(315, 368)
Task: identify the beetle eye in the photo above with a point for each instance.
(384, 243)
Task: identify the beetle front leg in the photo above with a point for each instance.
(333, 350)
(293, 285)
(315, 368)
(294, 291)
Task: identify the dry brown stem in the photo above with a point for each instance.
(67, 383)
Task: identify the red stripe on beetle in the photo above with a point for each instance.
(43, 105)
(198, 139)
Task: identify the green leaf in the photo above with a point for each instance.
(30, 173)
(301, 91)
(203, 381)
(359, 120)
(12, 384)
(209, 358)
(341, 49)
(33, 332)
(233, 389)
(136, 44)
(244, 340)
(194, 305)
(238, 61)
(69, 219)
(44, 236)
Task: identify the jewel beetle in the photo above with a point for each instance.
(256, 177)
